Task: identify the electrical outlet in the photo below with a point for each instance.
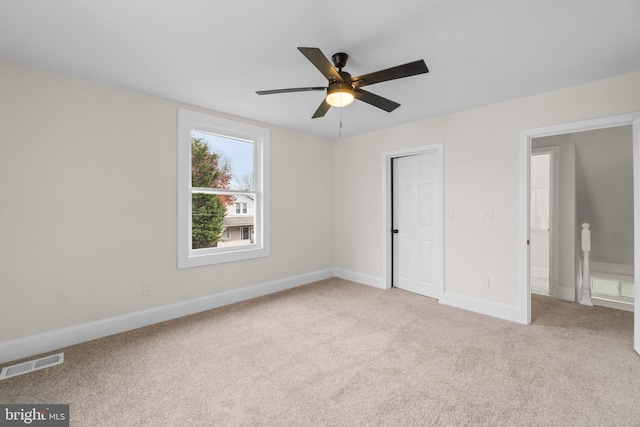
(487, 215)
(485, 282)
(146, 289)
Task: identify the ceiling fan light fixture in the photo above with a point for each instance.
(339, 94)
(342, 88)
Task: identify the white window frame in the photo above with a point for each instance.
(189, 121)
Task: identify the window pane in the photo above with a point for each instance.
(208, 213)
(209, 168)
(627, 290)
(604, 286)
(220, 162)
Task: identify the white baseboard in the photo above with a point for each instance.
(602, 302)
(482, 306)
(361, 278)
(490, 308)
(48, 341)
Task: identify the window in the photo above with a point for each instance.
(600, 285)
(612, 287)
(627, 289)
(222, 173)
(241, 208)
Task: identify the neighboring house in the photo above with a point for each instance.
(238, 224)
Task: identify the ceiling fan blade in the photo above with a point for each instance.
(320, 61)
(401, 71)
(295, 89)
(375, 100)
(322, 109)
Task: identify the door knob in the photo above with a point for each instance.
(395, 231)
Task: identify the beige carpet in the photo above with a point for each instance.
(342, 354)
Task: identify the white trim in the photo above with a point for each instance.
(524, 290)
(635, 130)
(477, 305)
(524, 268)
(364, 279)
(386, 213)
(482, 306)
(618, 305)
(187, 257)
(582, 125)
(47, 341)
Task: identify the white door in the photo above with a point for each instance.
(549, 179)
(416, 224)
(540, 242)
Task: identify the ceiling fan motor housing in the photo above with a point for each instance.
(340, 60)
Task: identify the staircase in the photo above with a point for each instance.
(604, 284)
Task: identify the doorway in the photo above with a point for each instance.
(413, 248)
(526, 138)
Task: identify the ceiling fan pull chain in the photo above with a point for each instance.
(340, 129)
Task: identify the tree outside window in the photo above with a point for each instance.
(208, 170)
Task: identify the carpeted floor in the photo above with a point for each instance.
(341, 354)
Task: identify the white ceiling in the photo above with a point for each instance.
(216, 54)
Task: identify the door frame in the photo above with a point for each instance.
(526, 136)
(387, 214)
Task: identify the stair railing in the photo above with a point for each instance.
(586, 268)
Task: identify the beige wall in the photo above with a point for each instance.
(88, 205)
(481, 172)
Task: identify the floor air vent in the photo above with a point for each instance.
(32, 365)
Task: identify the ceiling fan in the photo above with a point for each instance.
(342, 89)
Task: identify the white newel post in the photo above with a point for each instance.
(586, 269)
